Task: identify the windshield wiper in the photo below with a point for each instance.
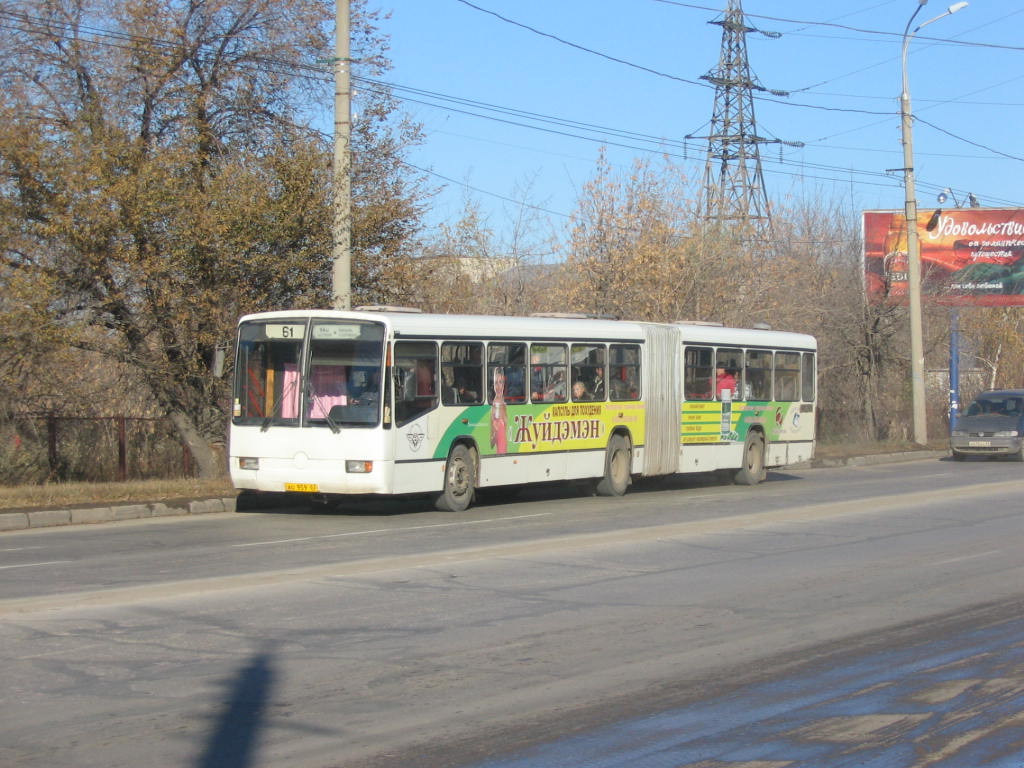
(277, 407)
(316, 400)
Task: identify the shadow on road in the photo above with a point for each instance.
(233, 742)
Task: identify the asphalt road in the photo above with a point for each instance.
(829, 617)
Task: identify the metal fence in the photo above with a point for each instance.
(49, 447)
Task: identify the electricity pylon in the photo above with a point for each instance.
(734, 190)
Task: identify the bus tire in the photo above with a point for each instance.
(618, 461)
(459, 480)
(752, 469)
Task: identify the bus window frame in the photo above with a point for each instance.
(698, 372)
(786, 386)
(461, 370)
(425, 400)
(633, 384)
(757, 374)
(585, 368)
(513, 369)
(808, 377)
(549, 376)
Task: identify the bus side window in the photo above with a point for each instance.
(787, 376)
(729, 361)
(807, 393)
(415, 379)
(461, 372)
(697, 374)
(588, 372)
(624, 371)
(510, 360)
(758, 375)
(548, 373)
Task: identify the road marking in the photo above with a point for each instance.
(33, 565)
(969, 557)
(389, 530)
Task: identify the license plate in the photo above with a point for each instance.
(980, 443)
(302, 487)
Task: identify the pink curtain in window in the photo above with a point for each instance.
(290, 392)
(328, 388)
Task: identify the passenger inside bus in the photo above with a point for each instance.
(725, 380)
(463, 391)
(367, 389)
(555, 389)
(597, 388)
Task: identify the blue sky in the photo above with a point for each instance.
(839, 60)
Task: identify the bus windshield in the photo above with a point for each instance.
(339, 384)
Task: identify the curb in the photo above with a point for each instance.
(875, 458)
(17, 520)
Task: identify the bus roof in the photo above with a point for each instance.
(720, 335)
(415, 324)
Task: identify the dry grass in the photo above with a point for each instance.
(56, 495)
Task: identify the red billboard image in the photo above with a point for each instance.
(968, 255)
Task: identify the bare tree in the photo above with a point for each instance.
(159, 176)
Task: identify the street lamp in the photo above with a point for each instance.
(913, 243)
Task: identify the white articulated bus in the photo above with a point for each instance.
(383, 401)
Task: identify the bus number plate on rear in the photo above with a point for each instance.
(302, 487)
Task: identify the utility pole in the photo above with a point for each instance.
(734, 190)
(341, 274)
(917, 384)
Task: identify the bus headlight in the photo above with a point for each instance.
(958, 433)
(358, 467)
(1007, 433)
(248, 462)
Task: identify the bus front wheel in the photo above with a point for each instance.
(459, 480)
(616, 468)
(752, 469)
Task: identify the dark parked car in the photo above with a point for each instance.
(992, 426)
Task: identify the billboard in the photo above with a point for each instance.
(968, 255)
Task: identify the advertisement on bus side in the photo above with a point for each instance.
(541, 428)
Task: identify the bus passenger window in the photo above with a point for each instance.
(462, 372)
(728, 364)
(758, 376)
(588, 371)
(807, 376)
(697, 371)
(548, 373)
(787, 376)
(415, 377)
(624, 371)
(510, 362)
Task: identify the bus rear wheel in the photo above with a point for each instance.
(617, 463)
(752, 470)
(459, 480)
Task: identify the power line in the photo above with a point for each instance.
(484, 191)
(967, 141)
(773, 166)
(24, 23)
(571, 44)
